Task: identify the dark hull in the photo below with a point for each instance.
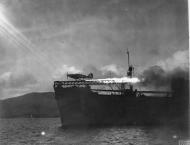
(82, 107)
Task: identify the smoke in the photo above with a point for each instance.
(180, 82)
(176, 80)
(171, 72)
(154, 76)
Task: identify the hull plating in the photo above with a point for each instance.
(81, 106)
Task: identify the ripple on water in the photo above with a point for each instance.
(23, 131)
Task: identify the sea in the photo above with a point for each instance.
(47, 131)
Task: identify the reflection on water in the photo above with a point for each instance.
(46, 131)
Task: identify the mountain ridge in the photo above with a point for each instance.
(33, 104)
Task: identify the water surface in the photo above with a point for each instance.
(47, 131)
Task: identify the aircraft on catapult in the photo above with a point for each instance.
(80, 76)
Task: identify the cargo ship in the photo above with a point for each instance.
(80, 103)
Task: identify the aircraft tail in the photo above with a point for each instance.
(90, 75)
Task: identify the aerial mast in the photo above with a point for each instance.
(128, 57)
(130, 70)
(130, 67)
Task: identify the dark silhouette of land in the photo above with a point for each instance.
(29, 105)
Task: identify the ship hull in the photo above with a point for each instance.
(82, 107)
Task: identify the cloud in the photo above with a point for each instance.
(61, 72)
(5, 76)
(112, 69)
(97, 73)
(179, 59)
(16, 82)
(89, 36)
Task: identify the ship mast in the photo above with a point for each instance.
(128, 57)
(130, 67)
(130, 70)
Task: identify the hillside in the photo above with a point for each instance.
(32, 104)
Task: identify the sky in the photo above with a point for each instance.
(42, 40)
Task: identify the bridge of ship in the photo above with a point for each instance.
(84, 83)
(64, 84)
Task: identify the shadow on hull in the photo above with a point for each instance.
(82, 107)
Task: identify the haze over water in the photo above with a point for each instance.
(47, 131)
